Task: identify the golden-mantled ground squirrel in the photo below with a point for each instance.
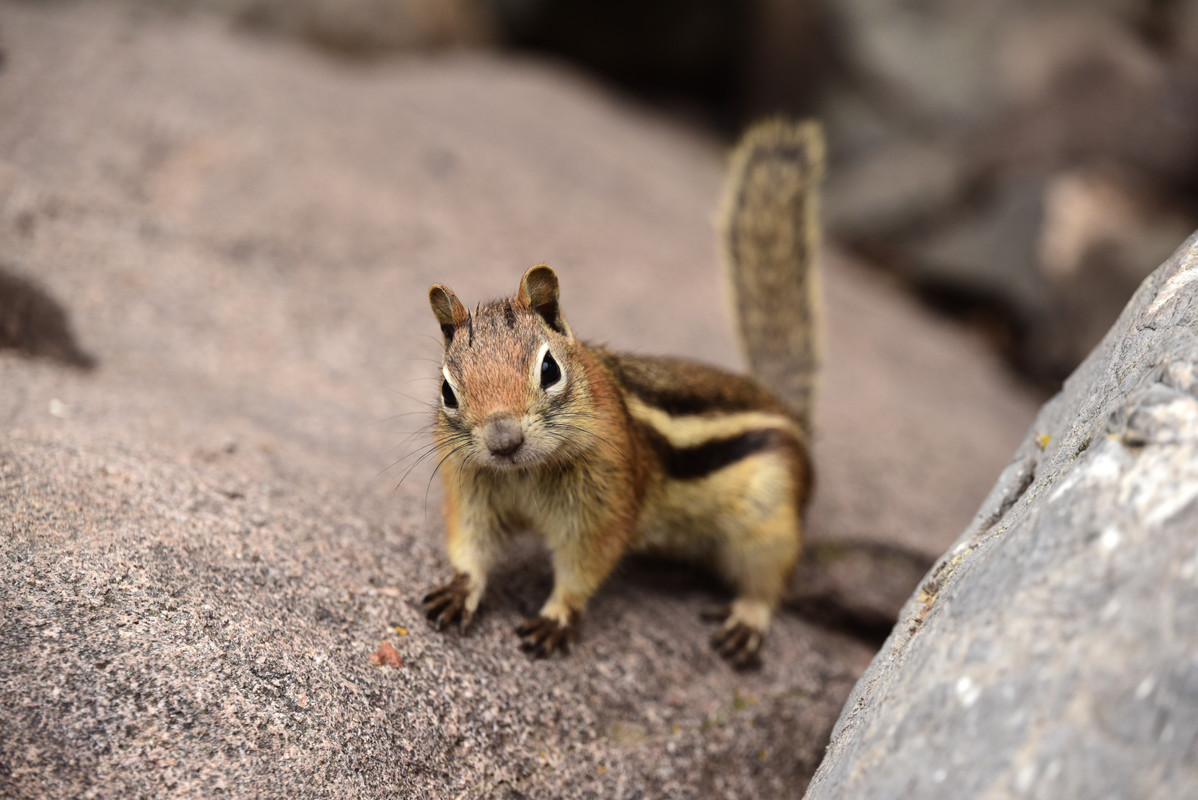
(604, 453)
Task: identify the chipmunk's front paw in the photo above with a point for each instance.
(739, 642)
(542, 636)
(451, 603)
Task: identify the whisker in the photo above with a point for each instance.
(429, 451)
(402, 459)
(594, 436)
(460, 473)
(394, 417)
(434, 473)
(410, 435)
(415, 464)
(421, 401)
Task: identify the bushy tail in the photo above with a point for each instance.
(769, 222)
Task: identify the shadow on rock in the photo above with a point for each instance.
(35, 324)
(855, 587)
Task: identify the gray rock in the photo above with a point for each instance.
(1053, 651)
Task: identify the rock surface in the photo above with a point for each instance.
(1053, 652)
(206, 536)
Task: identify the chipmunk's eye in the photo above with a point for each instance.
(450, 399)
(551, 373)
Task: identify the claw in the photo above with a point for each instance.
(448, 603)
(739, 644)
(540, 636)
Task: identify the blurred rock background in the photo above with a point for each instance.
(1019, 164)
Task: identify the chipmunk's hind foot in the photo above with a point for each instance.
(739, 638)
(542, 636)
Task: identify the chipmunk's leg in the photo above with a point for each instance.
(757, 556)
(758, 566)
(581, 562)
(474, 541)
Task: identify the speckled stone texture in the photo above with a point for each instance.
(204, 537)
(1053, 652)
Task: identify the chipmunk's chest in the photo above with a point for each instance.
(542, 501)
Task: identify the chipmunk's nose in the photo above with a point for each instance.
(503, 436)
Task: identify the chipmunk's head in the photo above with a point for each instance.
(513, 390)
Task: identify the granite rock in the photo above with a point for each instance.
(1051, 652)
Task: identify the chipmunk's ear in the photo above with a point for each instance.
(539, 290)
(448, 310)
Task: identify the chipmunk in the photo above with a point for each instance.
(604, 453)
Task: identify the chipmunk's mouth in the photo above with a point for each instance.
(522, 458)
(505, 464)
(505, 442)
